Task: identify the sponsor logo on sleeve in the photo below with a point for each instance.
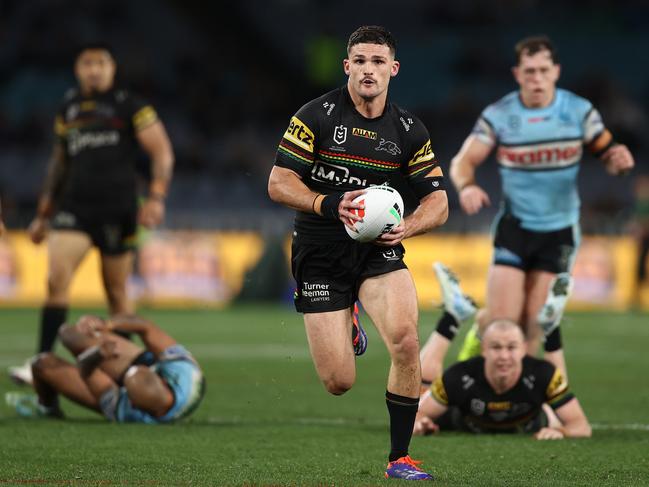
(299, 134)
(423, 154)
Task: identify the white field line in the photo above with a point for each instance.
(350, 422)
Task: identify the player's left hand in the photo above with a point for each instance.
(91, 326)
(2, 228)
(549, 434)
(618, 160)
(393, 237)
(152, 212)
(425, 426)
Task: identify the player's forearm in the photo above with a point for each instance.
(286, 188)
(432, 212)
(574, 423)
(154, 338)
(162, 164)
(89, 360)
(53, 182)
(576, 429)
(430, 407)
(155, 142)
(462, 172)
(131, 324)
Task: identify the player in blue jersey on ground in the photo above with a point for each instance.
(539, 133)
(113, 376)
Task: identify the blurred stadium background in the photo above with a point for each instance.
(226, 79)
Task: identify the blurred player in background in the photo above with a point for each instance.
(502, 391)
(335, 146)
(160, 383)
(89, 197)
(539, 133)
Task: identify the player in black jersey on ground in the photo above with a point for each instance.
(502, 391)
(90, 189)
(335, 146)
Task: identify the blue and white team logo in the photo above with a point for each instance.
(514, 122)
(340, 134)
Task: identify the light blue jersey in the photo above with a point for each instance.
(538, 153)
(182, 374)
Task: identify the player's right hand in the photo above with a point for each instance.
(38, 229)
(473, 198)
(549, 434)
(425, 426)
(91, 326)
(2, 228)
(151, 213)
(347, 204)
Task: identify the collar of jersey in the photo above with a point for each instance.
(542, 109)
(350, 102)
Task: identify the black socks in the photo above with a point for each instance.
(402, 419)
(52, 317)
(447, 326)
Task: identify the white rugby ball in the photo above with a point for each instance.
(383, 211)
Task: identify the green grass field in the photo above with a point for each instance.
(266, 420)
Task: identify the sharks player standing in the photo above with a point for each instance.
(539, 133)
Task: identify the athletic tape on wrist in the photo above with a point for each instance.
(329, 205)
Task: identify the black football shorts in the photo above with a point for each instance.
(112, 232)
(328, 275)
(527, 250)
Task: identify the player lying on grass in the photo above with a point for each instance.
(113, 376)
(458, 308)
(502, 391)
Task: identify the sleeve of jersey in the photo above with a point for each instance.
(143, 114)
(423, 173)
(296, 150)
(60, 129)
(438, 391)
(557, 392)
(484, 130)
(445, 388)
(596, 136)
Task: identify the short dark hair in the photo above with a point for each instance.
(92, 46)
(372, 34)
(531, 45)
